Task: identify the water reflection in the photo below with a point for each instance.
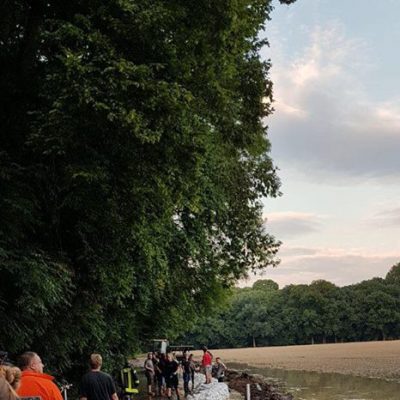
(326, 386)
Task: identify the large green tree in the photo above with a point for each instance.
(393, 276)
(133, 161)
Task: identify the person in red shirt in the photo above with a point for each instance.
(206, 363)
(34, 383)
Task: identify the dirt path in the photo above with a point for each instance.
(368, 359)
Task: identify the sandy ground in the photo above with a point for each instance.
(368, 359)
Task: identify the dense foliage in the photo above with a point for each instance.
(299, 314)
(133, 159)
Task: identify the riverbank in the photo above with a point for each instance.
(366, 359)
(259, 388)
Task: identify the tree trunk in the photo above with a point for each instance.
(30, 41)
(254, 342)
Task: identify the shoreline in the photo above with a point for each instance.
(260, 389)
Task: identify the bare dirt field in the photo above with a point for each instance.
(368, 359)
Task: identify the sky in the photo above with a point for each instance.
(335, 137)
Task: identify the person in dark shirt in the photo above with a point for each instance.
(159, 374)
(97, 385)
(192, 369)
(186, 364)
(171, 375)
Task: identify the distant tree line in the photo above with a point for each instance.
(321, 312)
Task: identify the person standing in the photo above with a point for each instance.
(34, 383)
(186, 364)
(193, 368)
(159, 375)
(171, 375)
(95, 384)
(129, 381)
(206, 363)
(149, 372)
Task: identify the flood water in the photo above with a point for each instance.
(327, 386)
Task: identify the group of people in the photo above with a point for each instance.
(31, 383)
(28, 381)
(162, 372)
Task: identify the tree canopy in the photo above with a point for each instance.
(300, 314)
(133, 161)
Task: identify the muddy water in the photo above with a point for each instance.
(327, 386)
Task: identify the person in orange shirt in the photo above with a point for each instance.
(34, 383)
